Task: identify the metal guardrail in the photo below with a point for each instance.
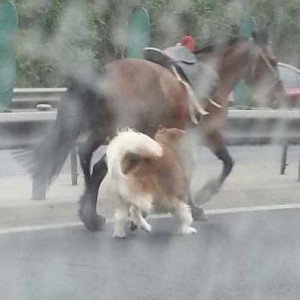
(22, 129)
(25, 128)
(25, 125)
(29, 98)
(263, 127)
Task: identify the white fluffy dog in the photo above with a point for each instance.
(147, 175)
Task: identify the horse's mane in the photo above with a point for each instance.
(217, 46)
(260, 37)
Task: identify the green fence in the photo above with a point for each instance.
(241, 91)
(138, 32)
(8, 28)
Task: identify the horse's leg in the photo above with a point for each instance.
(217, 145)
(88, 202)
(85, 152)
(228, 163)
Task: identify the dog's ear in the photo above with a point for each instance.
(129, 161)
(179, 132)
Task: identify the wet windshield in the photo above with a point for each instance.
(149, 149)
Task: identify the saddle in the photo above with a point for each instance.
(179, 57)
(200, 79)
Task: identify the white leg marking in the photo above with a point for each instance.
(183, 214)
(120, 216)
(138, 219)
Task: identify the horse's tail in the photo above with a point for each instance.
(45, 161)
(127, 149)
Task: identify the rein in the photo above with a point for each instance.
(275, 74)
(252, 62)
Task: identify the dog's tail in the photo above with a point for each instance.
(130, 146)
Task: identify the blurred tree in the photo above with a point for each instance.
(281, 20)
(105, 35)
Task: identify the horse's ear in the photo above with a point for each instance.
(253, 35)
(261, 37)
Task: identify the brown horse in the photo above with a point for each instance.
(141, 94)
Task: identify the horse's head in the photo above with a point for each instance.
(263, 76)
(250, 59)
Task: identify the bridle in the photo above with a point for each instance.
(256, 53)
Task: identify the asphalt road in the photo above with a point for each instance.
(255, 181)
(250, 255)
(242, 255)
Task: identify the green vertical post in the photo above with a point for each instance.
(8, 28)
(138, 32)
(242, 95)
(247, 28)
(241, 91)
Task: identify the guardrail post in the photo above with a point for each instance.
(39, 188)
(74, 170)
(299, 171)
(283, 158)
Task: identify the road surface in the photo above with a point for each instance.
(248, 249)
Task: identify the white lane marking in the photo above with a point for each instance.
(39, 227)
(251, 209)
(207, 212)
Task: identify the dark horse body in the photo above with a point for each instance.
(141, 94)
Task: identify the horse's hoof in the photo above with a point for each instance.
(198, 214)
(90, 219)
(211, 188)
(94, 223)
